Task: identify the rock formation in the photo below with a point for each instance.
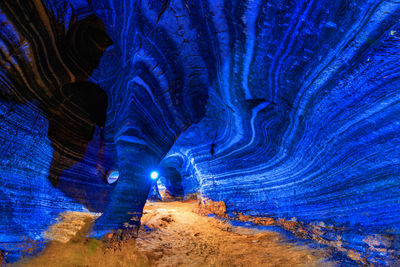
(282, 112)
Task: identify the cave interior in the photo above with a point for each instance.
(270, 112)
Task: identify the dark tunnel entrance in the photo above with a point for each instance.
(173, 183)
(168, 187)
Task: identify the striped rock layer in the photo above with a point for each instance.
(287, 110)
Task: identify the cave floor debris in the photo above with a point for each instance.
(185, 238)
(173, 234)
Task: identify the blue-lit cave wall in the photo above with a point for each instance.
(116, 86)
(302, 121)
(283, 109)
(178, 179)
(29, 203)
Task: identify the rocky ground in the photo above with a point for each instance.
(173, 234)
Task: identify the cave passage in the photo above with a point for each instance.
(176, 132)
(173, 183)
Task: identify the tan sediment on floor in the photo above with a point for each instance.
(69, 224)
(299, 229)
(181, 237)
(189, 239)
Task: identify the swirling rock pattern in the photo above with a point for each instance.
(149, 86)
(46, 119)
(29, 202)
(280, 109)
(302, 122)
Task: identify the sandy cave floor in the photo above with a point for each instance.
(172, 234)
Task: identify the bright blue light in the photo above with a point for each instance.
(113, 177)
(154, 175)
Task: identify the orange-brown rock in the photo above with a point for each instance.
(208, 206)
